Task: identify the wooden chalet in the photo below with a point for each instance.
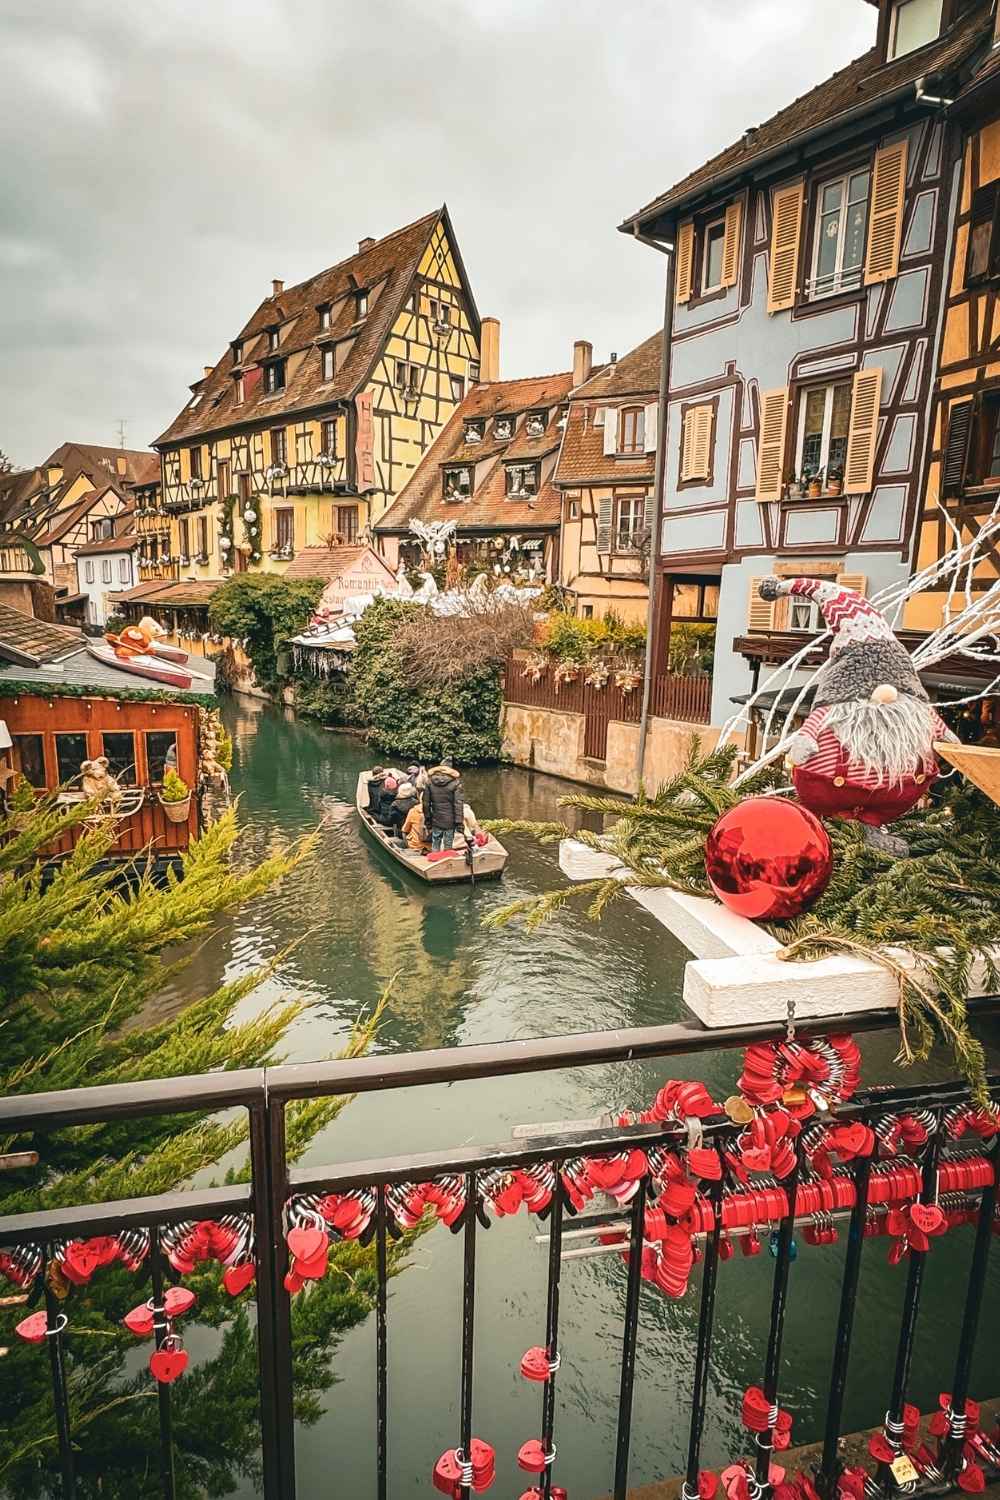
(61, 708)
(604, 476)
(804, 322)
(180, 606)
(491, 473)
(315, 417)
(80, 494)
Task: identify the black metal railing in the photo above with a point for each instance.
(942, 1173)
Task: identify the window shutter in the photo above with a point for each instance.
(956, 453)
(731, 244)
(786, 231)
(760, 614)
(886, 231)
(771, 449)
(856, 581)
(605, 517)
(651, 421)
(685, 261)
(862, 436)
(647, 514)
(610, 431)
(696, 458)
(598, 416)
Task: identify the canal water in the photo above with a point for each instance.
(358, 924)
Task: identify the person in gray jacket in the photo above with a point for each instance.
(444, 804)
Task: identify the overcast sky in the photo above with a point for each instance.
(163, 160)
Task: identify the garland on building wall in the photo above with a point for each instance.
(940, 906)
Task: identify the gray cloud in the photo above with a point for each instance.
(163, 162)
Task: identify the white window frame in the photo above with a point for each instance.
(105, 570)
(88, 570)
(801, 604)
(360, 305)
(453, 485)
(329, 364)
(839, 281)
(800, 439)
(325, 316)
(894, 29)
(706, 285)
(625, 541)
(124, 570)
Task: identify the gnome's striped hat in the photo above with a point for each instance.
(850, 616)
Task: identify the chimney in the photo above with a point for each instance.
(277, 287)
(365, 244)
(613, 358)
(583, 361)
(121, 463)
(208, 370)
(489, 349)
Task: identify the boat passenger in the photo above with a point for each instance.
(406, 799)
(390, 786)
(414, 830)
(418, 776)
(443, 804)
(375, 781)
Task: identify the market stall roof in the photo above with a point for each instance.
(170, 593)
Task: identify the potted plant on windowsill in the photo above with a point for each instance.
(834, 480)
(20, 804)
(175, 797)
(816, 484)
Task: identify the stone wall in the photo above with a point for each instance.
(545, 739)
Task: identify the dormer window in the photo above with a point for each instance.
(237, 351)
(535, 424)
(328, 363)
(274, 376)
(324, 316)
(503, 428)
(457, 484)
(239, 390)
(273, 336)
(473, 432)
(913, 24)
(522, 480)
(360, 304)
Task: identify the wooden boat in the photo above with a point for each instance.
(155, 667)
(481, 863)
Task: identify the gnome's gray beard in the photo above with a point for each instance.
(888, 740)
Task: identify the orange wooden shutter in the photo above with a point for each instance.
(771, 449)
(885, 231)
(856, 581)
(760, 613)
(685, 261)
(731, 244)
(786, 231)
(862, 435)
(696, 456)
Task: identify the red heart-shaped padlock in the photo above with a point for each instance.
(928, 1217)
(236, 1279)
(972, 1479)
(139, 1321)
(447, 1474)
(178, 1300)
(705, 1162)
(79, 1262)
(896, 1221)
(881, 1449)
(531, 1456)
(535, 1364)
(677, 1198)
(34, 1327)
(306, 1244)
(756, 1409)
(708, 1484)
(167, 1365)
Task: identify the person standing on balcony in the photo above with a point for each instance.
(444, 803)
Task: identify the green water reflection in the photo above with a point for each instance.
(365, 922)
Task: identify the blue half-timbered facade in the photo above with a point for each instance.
(808, 275)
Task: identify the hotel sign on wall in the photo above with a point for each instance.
(365, 575)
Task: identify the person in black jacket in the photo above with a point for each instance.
(404, 799)
(444, 803)
(390, 786)
(375, 781)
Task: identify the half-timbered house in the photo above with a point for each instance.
(963, 480)
(321, 408)
(807, 272)
(605, 478)
(491, 473)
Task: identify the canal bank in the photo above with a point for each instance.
(358, 922)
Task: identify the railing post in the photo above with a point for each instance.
(706, 1320)
(167, 1483)
(779, 1299)
(629, 1341)
(829, 1467)
(274, 1349)
(951, 1448)
(55, 1322)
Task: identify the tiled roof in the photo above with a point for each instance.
(175, 593)
(142, 466)
(32, 504)
(489, 506)
(29, 641)
(126, 542)
(385, 270)
(582, 459)
(329, 562)
(863, 84)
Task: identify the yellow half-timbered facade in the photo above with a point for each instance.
(321, 408)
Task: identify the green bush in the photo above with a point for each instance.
(265, 610)
(569, 638)
(332, 702)
(692, 648)
(460, 719)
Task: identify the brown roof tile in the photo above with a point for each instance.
(186, 591)
(328, 562)
(581, 458)
(28, 641)
(125, 542)
(385, 269)
(423, 498)
(863, 83)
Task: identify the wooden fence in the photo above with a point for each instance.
(672, 697)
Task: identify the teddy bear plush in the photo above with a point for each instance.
(98, 783)
(866, 751)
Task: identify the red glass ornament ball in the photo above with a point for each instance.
(768, 859)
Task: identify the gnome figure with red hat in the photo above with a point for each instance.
(866, 752)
